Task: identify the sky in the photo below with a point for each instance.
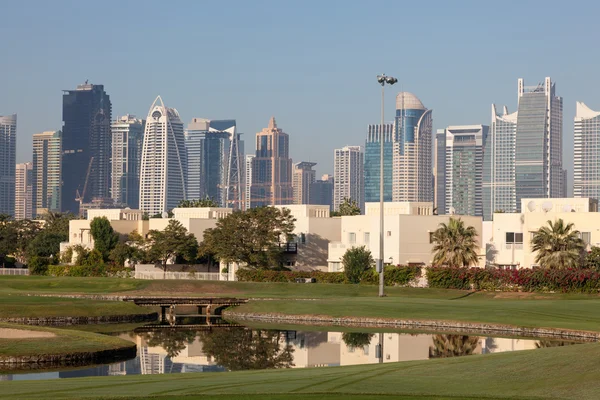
(311, 64)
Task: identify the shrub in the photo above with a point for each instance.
(357, 261)
(38, 265)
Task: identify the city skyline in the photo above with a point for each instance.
(258, 87)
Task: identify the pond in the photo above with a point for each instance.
(200, 348)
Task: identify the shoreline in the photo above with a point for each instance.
(82, 320)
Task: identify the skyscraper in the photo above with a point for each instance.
(302, 179)
(372, 161)
(439, 172)
(499, 186)
(248, 181)
(86, 145)
(126, 159)
(321, 192)
(164, 160)
(272, 168)
(586, 159)
(215, 165)
(23, 191)
(348, 167)
(463, 168)
(538, 159)
(8, 150)
(412, 154)
(47, 172)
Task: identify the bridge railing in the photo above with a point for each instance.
(200, 276)
(14, 271)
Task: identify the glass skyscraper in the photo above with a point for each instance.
(126, 159)
(372, 162)
(586, 159)
(8, 150)
(47, 172)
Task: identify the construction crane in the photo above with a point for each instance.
(79, 197)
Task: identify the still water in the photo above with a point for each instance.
(167, 350)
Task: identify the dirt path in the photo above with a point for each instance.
(10, 333)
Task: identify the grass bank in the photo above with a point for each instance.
(555, 373)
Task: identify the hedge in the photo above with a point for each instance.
(89, 271)
(394, 275)
(526, 280)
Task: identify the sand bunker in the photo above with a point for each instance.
(9, 333)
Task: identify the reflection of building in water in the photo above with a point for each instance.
(499, 345)
(129, 367)
(6, 378)
(101, 370)
(313, 349)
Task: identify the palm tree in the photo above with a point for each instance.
(454, 244)
(445, 346)
(558, 245)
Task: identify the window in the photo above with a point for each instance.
(367, 237)
(514, 237)
(586, 237)
(389, 233)
(351, 237)
(431, 237)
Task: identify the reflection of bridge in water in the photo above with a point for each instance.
(207, 307)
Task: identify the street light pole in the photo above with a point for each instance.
(382, 79)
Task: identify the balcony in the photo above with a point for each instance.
(289, 247)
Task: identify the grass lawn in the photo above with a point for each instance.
(554, 373)
(64, 341)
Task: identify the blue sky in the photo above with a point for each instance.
(311, 64)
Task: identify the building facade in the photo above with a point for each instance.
(372, 161)
(86, 146)
(164, 160)
(412, 158)
(126, 159)
(215, 165)
(348, 176)
(47, 172)
(272, 168)
(248, 181)
(538, 158)
(586, 157)
(462, 171)
(439, 172)
(8, 151)
(321, 192)
(303, 177)
(23, 191)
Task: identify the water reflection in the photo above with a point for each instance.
(230, 348)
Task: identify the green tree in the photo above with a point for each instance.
(26, 231)
(139, 248)
(172, 341)
(356, 262)
(357, 339)
(454, 244)
(445, 346)
(105, 238)
(57, 223)
(558, 245)
(251, 237)
(592, 259)
(205, 202)
(46, 244)
(174, 242)
(38, 265)
(8, 237)
(121, 253)
(348, 207)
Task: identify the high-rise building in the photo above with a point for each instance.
(439, 172)
(463, 168)
(302, 179)
(499, 188)
(86, 145)
(47, 172)
(23, 191)
(215, 165)
(164, 160)
(538, 158)
(586, 157)
(272, 168)
(126, 159)
(348, 168)
(248, 181)
(8, 150)
(412, 154)
(321, 191)
(373, 163)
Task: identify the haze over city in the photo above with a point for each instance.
(311, 65)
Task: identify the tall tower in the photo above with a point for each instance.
(538, 159)
(499, 188)
(321, 192)
(412, 158)
(47, 172)
(372, 161)
(8, 150)
(586, 158)
(439, 172)
(348, 167)
(248, 181)
(272, 168)
(164, 161)
(23, 191)
(215, 166)
(302, 180)
(86, 145)
(463, 169)
(126, 159)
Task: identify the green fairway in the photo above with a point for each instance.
(554, 373)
